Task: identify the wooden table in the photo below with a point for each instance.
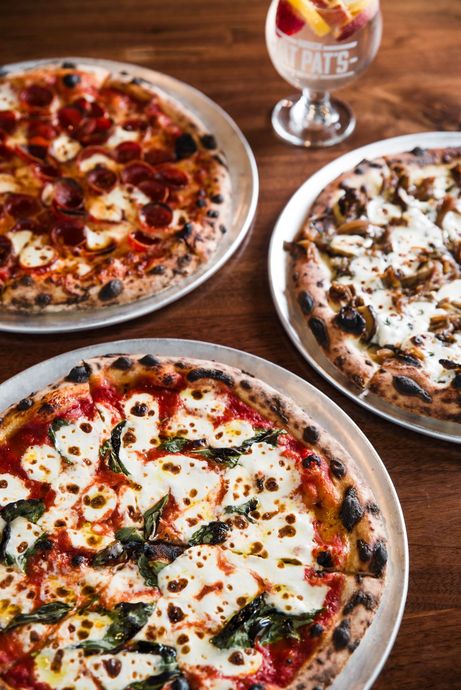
(413, 85)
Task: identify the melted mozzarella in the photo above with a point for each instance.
(190, 479)
(191, 519)
(8, 183)
(434, 350)
(19, 239)
(63, 668)
(112, 206)
(131, 668)
(240, 486)
(198, 651)
(98, 502)
(233, 433)
(190, 426)
(450, 291)
(139, 434)
(8, 97)
(393, 328)
(37, 254)
(17, 595)
(379, 211)
(12, 489)
(120, 135)
(79, 442)
(41, 463)
(124, 584)
(23, 535)
(203, 401)
(63, 148)
(89, 537)
(97, 159)
(280, 476)
(85, 626)
(204, 586)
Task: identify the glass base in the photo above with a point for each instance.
(302, 123)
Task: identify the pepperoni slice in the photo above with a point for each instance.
(7, 121)
(88, 108)
(154, 156)
(6, 249)
(156, 215)
(69, 118)
(68, 194)
(137, 172)
(127, 151)
(70, 233)
(172, 176)
(101, 179)
(6, 154)
(41, 130)
(135, 124)
(33, 153)
(89, 151)
(21, 205)
(156, 191)
(141, 241)
(36, 96)
(94, 130)
(46, 171)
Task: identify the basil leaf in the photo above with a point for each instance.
(224, 456)
(174, 444)
(270, 436)
(125, 535)
(110, 450)
(167, 653)
(154, 682)
(214, 533)
(32, 509)
(152, 517)
(127, 620)
(244, 509)
(48, 613)
(55, 425)
(149, 570)
(258, 621)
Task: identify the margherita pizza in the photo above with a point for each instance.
(109, 190)
(177, 524)
(377, 274)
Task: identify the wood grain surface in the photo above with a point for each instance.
(413, 85)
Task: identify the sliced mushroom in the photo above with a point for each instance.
(350, 320)
(383, 354)
(390, 278)
(448, 204)
(422, 274)
(354, 227)
(348, 245)
(341, 293)
(369, 315)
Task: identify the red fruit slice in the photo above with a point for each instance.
(155, 215)
(155, 156)
(6, 249)
(69, 118)
(136, 172)
(21, 205)
(141, 241)
(46, 171)
(69, 233)
(36, 96)
(68, 194)
(156, 191)
(287, 19)
(7, 121)
(127, 151)
(171, 176)
(101, 179)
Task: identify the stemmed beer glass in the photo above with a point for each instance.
(320, 46)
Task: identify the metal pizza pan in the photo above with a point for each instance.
(367, 661)
(244, 196)
(286, 229)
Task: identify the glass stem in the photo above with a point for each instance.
(313, 110)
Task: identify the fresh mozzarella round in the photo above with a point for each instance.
(12, 489)
(120, 671)
(98, 502)
(204, 400)
(41, 463)
(233, 433)
(63, 668)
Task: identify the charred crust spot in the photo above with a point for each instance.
(185, 232)
(456, 383)
(209, 142)
(337, 468)
(418, 151)
(246, 385)
(185, 146)
(378, 558)
(306, 302)
(342, 635)
(110, 290)
(24, 404)
(320, 331)
(149, 361)
(373, 508)
(277, 408)
(351, 511)
(257, 686)
(316, 630)
(77, 559)
(360, 598)
(216, 374)
(408, 386)
(358, 380)
(158, 270)
(122, 363)
(311, 434)
(46, 409)
(353, 645)
(79, 374)
(43, 299)
(324, 559)
(311, 460)
(364, 550)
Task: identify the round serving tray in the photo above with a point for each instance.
(244, 190)
(286, 229)
(367, 661)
